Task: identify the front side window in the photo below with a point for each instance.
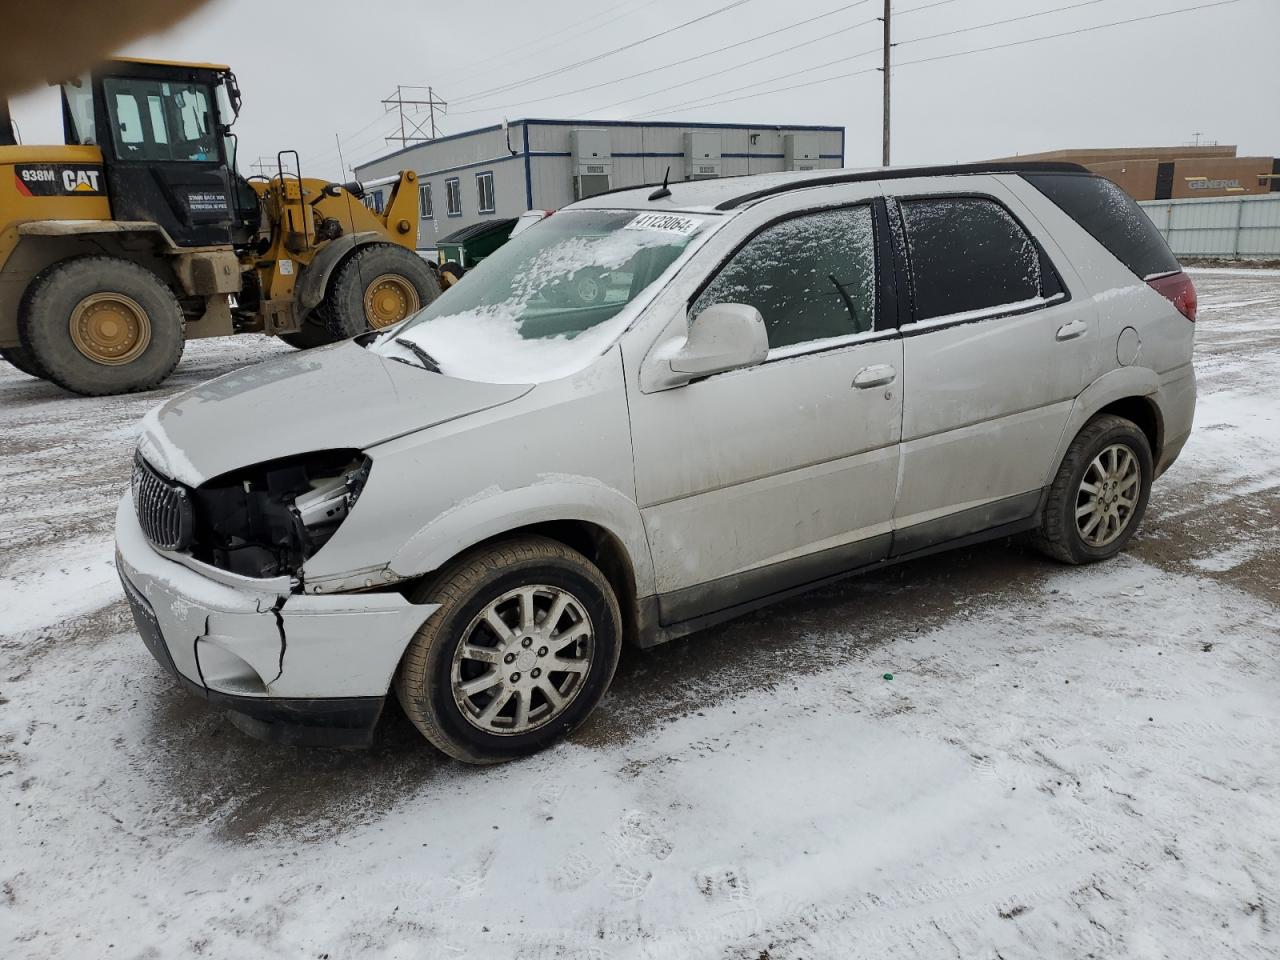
(484, 187)
(549, 300)
(424, 201)
(968, 254)
(812, 277)
(154, 120)
(453, 197)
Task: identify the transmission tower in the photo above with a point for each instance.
(414, 126)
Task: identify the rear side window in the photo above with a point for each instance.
(967, 254)
(1111, 217)
(812, 277)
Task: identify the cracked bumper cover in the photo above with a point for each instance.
(297, 668)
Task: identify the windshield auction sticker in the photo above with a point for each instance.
(665, 223)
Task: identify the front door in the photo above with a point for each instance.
(759, 480)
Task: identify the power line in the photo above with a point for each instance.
(352, 146)
(697, 101)
(1000, 23)
(608, 53)
(1071, 33)
(864, 53)
(677, 63)
(503, 55)
(739, 66)
(948, 56)
(762, 93)
(707, 76)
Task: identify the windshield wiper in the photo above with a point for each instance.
(848, 300)
(427, 359)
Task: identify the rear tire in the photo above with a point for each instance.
(1099, 494)
(376, 287)
(450, 272)
(22, 360)
(458, 646)
(102, 325)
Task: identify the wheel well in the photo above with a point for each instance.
(1145, 414)
(603, 549)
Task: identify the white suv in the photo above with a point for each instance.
(791, 378)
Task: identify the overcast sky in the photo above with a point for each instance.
(310, 70)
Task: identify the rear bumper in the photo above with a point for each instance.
(292, 668)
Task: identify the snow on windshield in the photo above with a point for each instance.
(550, 300)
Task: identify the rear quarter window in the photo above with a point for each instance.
(1111, 217)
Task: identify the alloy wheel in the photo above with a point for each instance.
(1108, 495)
(522, 660)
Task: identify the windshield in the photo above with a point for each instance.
(156, 120)
(548, 301)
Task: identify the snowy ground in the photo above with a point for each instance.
(1067, 763)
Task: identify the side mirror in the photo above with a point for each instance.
(725, 336)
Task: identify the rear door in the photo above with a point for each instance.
(995, 350)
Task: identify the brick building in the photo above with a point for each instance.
(1171, 173)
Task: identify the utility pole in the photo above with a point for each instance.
(411, 130)
(884, 148)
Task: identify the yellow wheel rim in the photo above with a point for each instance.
(389, 299)
(110, 328)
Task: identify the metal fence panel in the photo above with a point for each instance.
(1232, 227)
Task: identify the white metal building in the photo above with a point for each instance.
(501, 171)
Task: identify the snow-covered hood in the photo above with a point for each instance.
(340, 396)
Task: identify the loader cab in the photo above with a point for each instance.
(164, 142)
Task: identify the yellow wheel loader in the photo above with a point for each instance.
(138, 233)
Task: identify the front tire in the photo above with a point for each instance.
(102, 325)
(1099, 494)
(522, 649)
(313, 333)
(376, 287)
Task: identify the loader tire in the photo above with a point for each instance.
(376, 287)
(102, 325)
(22, 360)
(313, 333)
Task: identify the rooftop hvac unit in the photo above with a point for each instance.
(800, 151)
(701, 155)
(592, 161)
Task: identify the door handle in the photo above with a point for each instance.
(877, 375)
(1069, 331)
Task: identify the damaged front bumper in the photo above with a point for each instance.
(295, 668)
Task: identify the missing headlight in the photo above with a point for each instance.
(268, 519)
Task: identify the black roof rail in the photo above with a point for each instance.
(902, 173)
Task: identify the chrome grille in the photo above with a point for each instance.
(163, 507)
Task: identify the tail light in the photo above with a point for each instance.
(1178, 289)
